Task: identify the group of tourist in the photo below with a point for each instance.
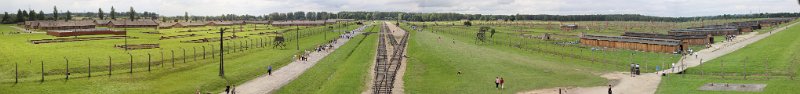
(729, 37)
(635, 70)
(499, 83)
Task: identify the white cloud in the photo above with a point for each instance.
(568, 7)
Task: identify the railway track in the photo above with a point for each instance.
(388, 61)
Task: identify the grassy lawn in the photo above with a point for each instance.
(774, 56)
(240, 65)
(565, 47)
(433, 64)
(344, 71)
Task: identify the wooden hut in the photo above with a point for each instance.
(219, 23)
(634, 43)
(102, 22)
(190, 24)
(706, 31)
(167, 25)
(80, 32)
(569, 27)
(133, 24)
(62, 25)
(685, 39)
(257, 22)
(299, 23)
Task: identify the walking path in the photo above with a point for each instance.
(23, 29)
(647, 83)
(269, 83)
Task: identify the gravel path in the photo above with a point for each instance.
(647, 83)
(269, 83)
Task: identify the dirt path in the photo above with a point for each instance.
(23, 29)
(647, 83)
(280, 77)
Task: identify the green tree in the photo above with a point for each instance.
(32, 15)
(113, 13)
(24, 16)
(186, 16)
(41, 15)
(132, 14)
(69, 16)
(5, 17)
(20, 17)
(55, 13)
(100, 14)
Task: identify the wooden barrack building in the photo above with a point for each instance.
(634, 43)
(685, 39)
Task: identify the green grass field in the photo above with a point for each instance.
(344, 71)
(240, 65)
(774, 57)
(433, 64)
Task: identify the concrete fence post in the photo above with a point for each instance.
(173, 58)
(66, 74)
(130, 63)
(148, 62)
(42, 72)
(184, 55)
(109, 66)
(90, 67)
(204, 51)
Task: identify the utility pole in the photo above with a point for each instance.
(297, 37)
(221, 55)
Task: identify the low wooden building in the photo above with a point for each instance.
(219, 23)
(569, 27)
(166, 25)
(706, 31)
(133, 24)
(60, 25)
(80, 32)
(190, 24)
(774, 21)
(752, 24)
(299, 23)
(102, 22)
(334, 21)
(685, 39)
(257, 22)
(634, 43)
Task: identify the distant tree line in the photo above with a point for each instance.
(32, 15)
(27, 15)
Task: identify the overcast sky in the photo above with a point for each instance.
(672, 8)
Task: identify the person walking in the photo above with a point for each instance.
(637, 69)
(269, 70)
(609, 89)
(631, 69)
(496, 82)
(502, 83)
